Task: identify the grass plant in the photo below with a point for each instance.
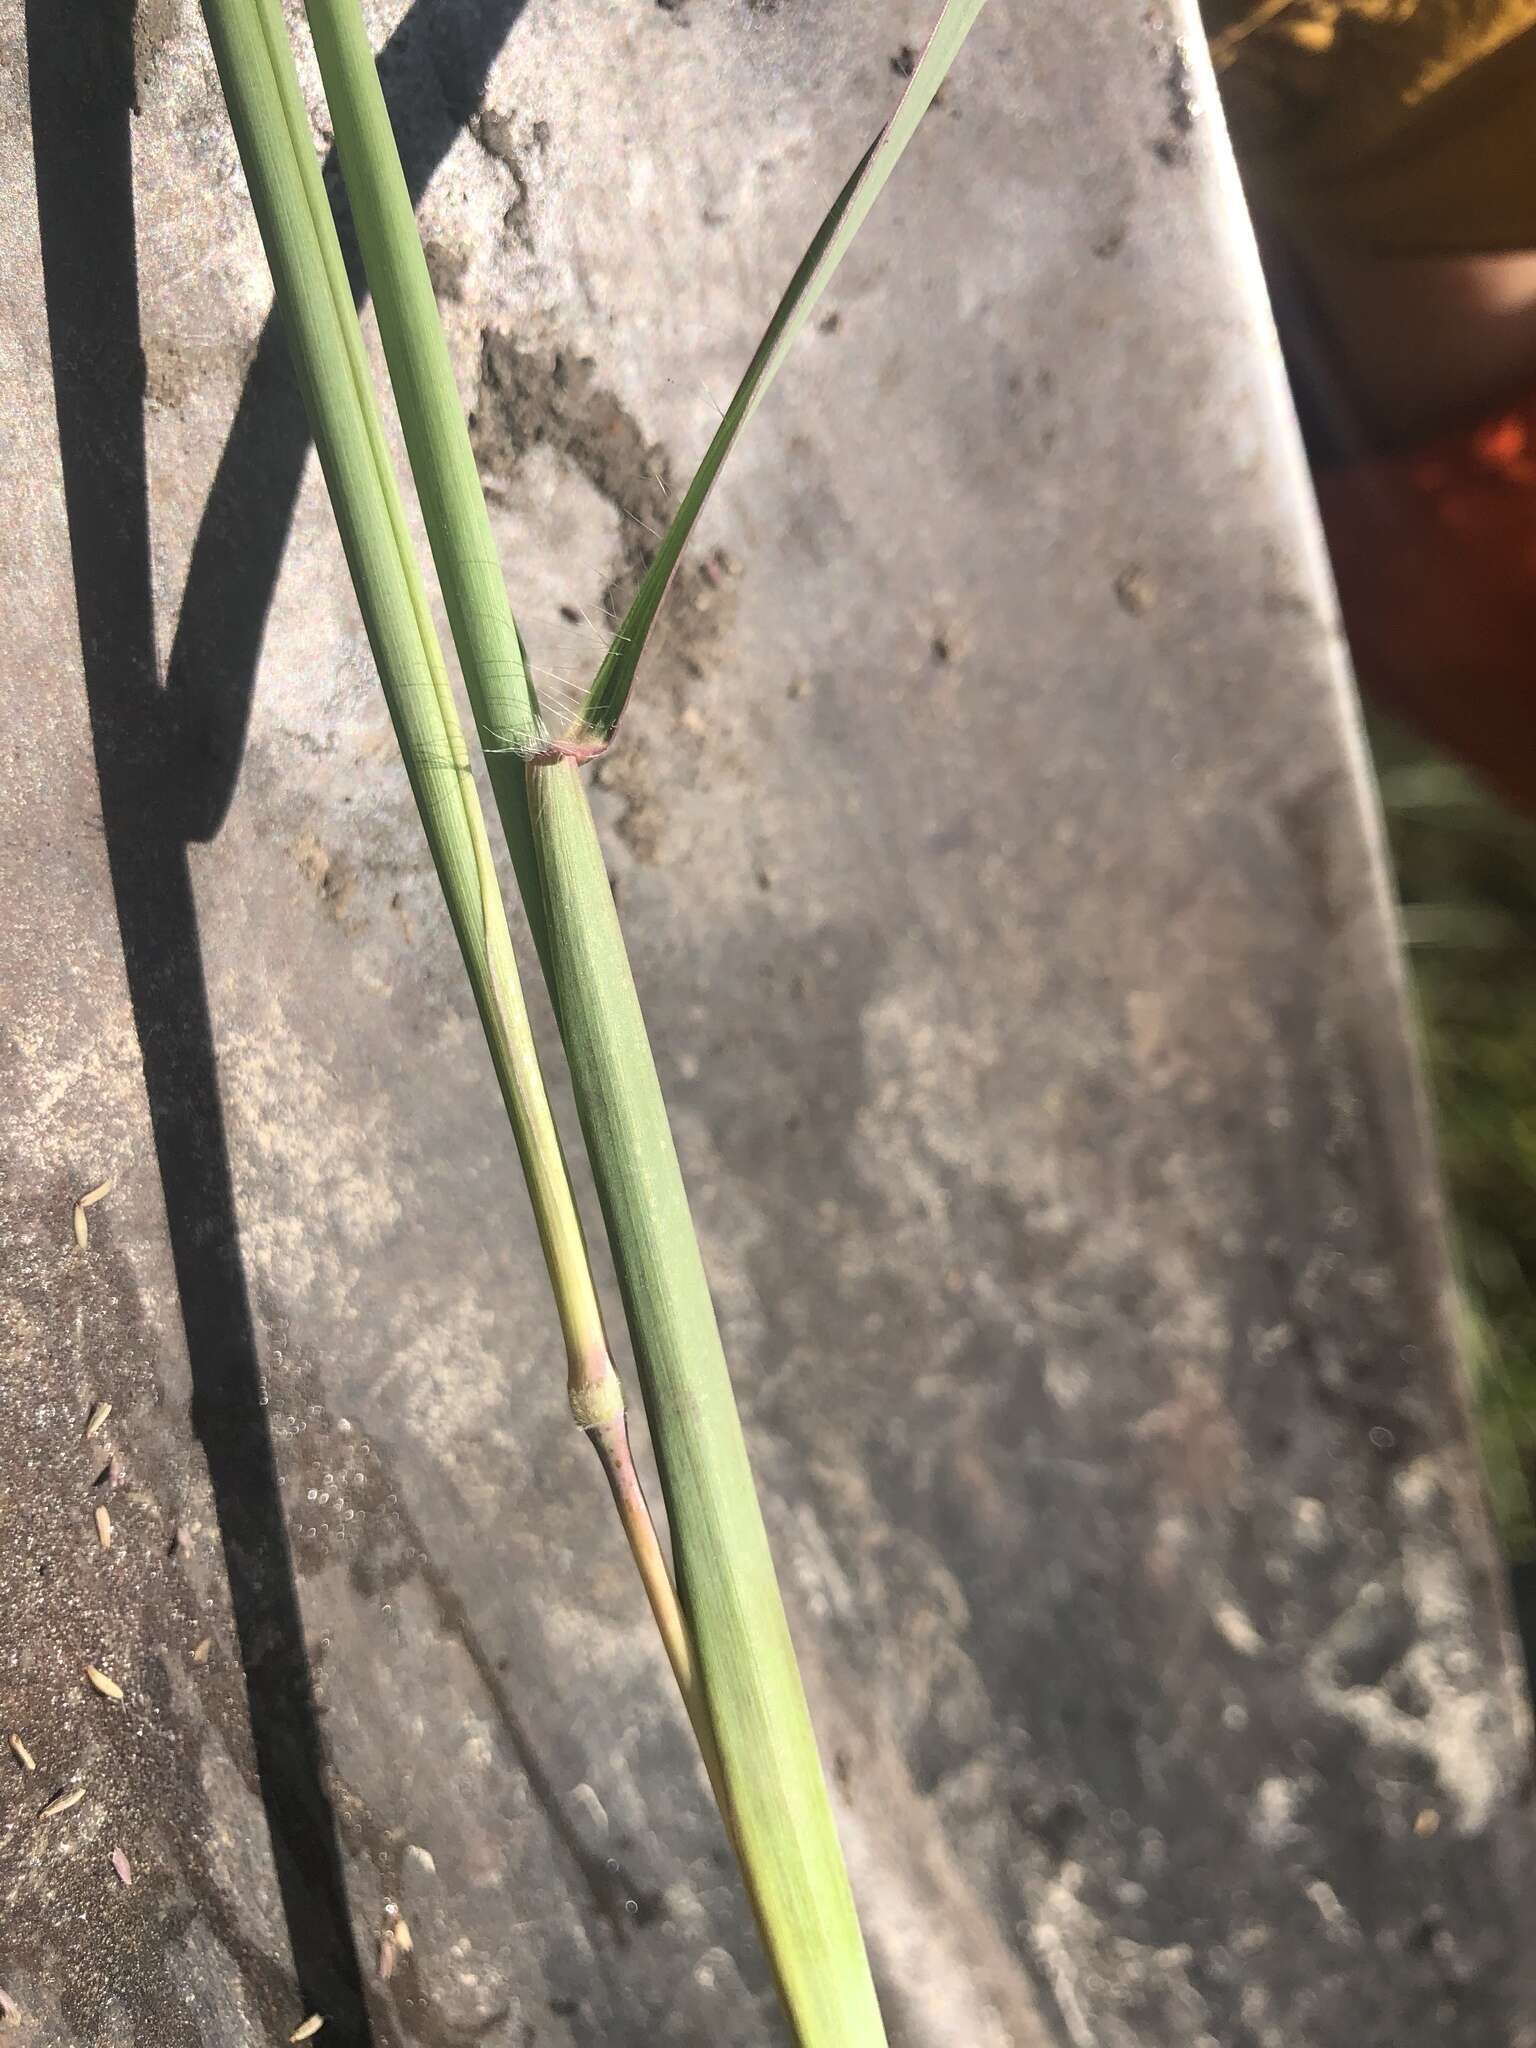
(722, 1621)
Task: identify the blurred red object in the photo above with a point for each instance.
(1435, 557)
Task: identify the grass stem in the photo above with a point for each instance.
(722, 1622)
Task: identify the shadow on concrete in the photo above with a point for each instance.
(433, 69)
(167, 760)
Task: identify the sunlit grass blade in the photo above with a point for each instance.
(754, 1704)
(735, 1646)
(271, 127)
(611, 686)
(485, 633)
(255, 66)
(783, 1825)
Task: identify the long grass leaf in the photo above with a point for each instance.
(611, 686)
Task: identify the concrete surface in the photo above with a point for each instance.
(1005, 897)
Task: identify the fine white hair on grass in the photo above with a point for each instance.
(560, 698)
(608, 639)
(640, 523)
(559, 694)
(560, 703)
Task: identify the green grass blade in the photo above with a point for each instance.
(606, 699)
(776, 1798)
(782, 1820)
(453, 505)
(261, 90)
(256, 67)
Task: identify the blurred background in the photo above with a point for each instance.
(1388, 148)
(1466, 872)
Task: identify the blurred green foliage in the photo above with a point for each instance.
(1466, 873)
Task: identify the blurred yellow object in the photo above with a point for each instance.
(1389, 127)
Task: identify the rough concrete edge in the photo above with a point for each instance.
(1383, 1008)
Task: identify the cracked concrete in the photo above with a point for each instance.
(993, 840)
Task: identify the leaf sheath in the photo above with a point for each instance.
(782, 1818)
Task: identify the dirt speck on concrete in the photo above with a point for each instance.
(332, 876)
(1171, 147)
(447, 267)
(156, 25)
(497, 136)
(174, 368)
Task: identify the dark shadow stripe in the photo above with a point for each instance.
(433, 70)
